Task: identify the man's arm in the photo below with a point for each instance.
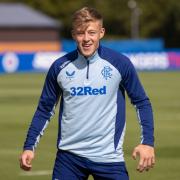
(134, 89)
(45, 110)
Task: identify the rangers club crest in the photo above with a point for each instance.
(106, 72)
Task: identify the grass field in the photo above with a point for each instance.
(19, 95)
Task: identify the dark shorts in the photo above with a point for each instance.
(72, 167)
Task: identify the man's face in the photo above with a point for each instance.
(87, 38)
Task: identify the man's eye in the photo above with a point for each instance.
(79, 33)
(92, 33)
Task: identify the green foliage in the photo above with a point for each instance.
(158, 18)
(161, 19)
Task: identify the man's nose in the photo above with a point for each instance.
(86, 37)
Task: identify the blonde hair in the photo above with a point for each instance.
(85, 15)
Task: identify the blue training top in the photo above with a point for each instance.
(92, 107)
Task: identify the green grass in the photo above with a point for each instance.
(19, 95)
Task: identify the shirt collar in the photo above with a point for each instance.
(91, 59)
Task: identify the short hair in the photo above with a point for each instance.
(85, 15)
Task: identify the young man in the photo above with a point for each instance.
(91, 82)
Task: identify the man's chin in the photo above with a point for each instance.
(87, 54)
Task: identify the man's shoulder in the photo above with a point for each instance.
(66, 59)
(113, 56)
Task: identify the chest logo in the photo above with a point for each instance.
(87, 90)
(106, 72)
(70, 75)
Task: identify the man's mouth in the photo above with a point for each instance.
(86, 46)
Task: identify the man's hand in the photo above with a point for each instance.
(26, 159)
(146, 155)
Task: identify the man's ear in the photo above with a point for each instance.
(102, 32)
(72, 34)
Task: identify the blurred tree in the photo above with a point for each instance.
(161, 19)
(158, 18)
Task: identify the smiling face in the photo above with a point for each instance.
(88, 36)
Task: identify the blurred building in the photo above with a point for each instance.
(23, 29)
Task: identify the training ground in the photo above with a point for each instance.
(19, 95)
